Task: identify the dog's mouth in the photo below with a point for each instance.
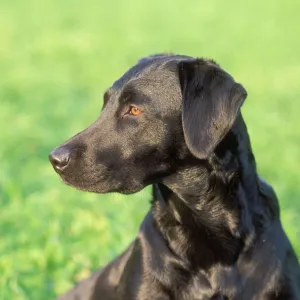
(97, 184)
(101, 182)
(78, 174)
(90, 173)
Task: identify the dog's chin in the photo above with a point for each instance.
(103, 187)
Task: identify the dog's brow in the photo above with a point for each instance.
(133, 96)
(127, 94)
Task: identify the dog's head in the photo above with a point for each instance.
(161, 111)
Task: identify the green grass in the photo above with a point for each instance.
(57, 58)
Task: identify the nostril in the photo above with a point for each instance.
(60, 158)
(59, 161)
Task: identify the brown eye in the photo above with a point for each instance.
(134, 111)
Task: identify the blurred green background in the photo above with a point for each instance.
(57, 57)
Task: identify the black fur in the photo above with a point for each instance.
(213, 231)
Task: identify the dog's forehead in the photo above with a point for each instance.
(154, 67)
(147, 67)
(151, 75)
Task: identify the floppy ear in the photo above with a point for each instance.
(211, 100)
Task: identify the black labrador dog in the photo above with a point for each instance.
(213, 231)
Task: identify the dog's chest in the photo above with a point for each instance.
(220, 283)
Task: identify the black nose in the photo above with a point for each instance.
(60, 158)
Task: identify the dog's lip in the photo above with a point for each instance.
(89, 188)
(66, 181)
(83, 184)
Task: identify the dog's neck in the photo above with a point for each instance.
(208, 206)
